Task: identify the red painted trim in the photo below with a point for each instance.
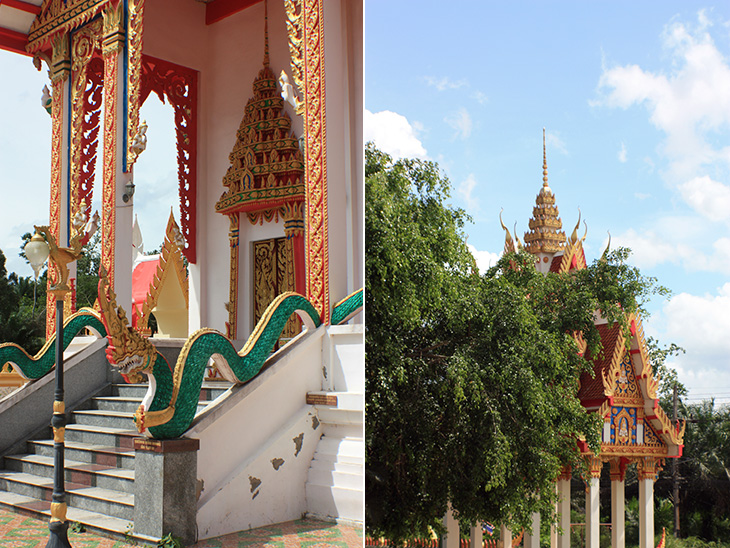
(218, 10)
(22, 6)
(635, 351)
(13, 41)
(179, 85)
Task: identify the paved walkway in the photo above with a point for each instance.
(18, 531)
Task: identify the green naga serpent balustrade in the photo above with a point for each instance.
(169, 406)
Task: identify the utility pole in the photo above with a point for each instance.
(674, 473)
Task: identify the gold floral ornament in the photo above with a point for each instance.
(128, 351)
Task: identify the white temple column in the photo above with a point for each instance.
(618, 514)
(451, 539)
(505, 535)
(564, 508)
(532, 534)
(593, 506)
(648, 469)
(476, 536)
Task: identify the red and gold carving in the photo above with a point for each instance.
(649, 467)
(273, 275)
(134, 73)
(86, 89)
(305, 25)
(60, 69)
(264, 181)
(595, 465)
(618, 468)
(179, 85)
(232, 304)
(60, 17)
(112, 45)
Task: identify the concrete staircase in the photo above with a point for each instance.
(336, 478)
(99, 462)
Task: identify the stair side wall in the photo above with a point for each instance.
(247, 434)
(28, 411)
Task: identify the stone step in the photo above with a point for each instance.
(124, 404)
(87, 453)
(129, 390)
(331, 478)
(91, 475)
(345, 450)
(41, 509)
(95, 499)
(102, 435)
(345, 504)
(344, 467)
(208, 392)
(95, 417)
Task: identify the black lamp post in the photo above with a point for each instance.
(37, 251)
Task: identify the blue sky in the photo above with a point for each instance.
(635, 99)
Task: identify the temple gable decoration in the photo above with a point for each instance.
(265, 180)
(164, 278)
(266, 175)
(623, 391)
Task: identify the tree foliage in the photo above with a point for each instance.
(471, 380)
(704, 469)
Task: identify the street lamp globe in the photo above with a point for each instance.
(37, 251)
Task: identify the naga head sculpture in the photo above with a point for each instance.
(128, 351)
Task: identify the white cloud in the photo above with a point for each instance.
(393, 134)
(641, 195)
(622, 153)
(650, 248)
(709, 198)
(480, 97)
(676, 241)
(442, 84)
(690, 104)
(699, 324)
(465, 189)
(484, 259)
(461, 122)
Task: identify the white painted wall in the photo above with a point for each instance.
(245, 430)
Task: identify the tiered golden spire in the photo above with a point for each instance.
(545, 235)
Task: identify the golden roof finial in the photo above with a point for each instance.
(545, 235)
(544, 160)
(574, 236)
(266, 33)
(509, 244)
(604, 256)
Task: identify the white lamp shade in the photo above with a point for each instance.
(37, 251)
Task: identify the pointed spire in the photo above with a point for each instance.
(544, 161)
(545, 235)
(266, 33)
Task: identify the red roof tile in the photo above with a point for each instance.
(591, 389)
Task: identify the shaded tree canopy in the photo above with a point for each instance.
(471, 380)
